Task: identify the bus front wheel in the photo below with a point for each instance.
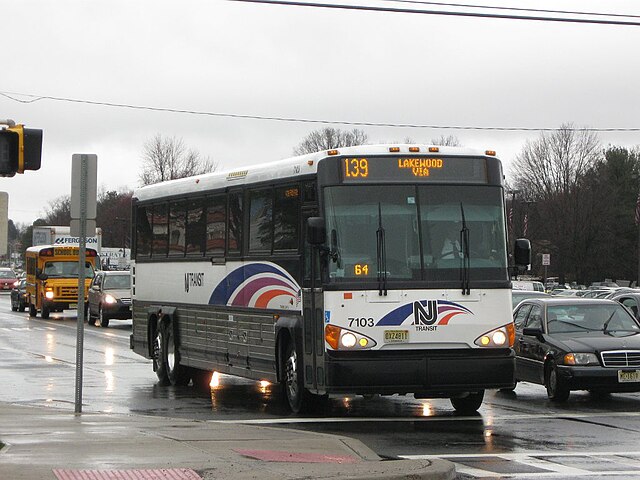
(468, 404)
(45, 311)
(297, 396)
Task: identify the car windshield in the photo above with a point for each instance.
(7, 274)
(583, 318)
(67, 269)
(417, 231)
(114, 282)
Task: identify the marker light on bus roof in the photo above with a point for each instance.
(491, 153)
(394, 149)
(332, 152)
(414, 149)
(434, 149)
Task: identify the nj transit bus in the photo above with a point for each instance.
(331, 273)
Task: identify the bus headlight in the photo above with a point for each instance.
(49, 294)
(342, 339)
(500, 337)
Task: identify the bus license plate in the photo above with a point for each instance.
(396, 336)
(628, 376)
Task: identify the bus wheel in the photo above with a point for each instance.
(178, 374)
(469, 404)
(159, 355)
(32, 310)
(45, 311)
(297, 396)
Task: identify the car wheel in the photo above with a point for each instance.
(177, 373)
(557, 390)
(21, 307)
(14, 307)
(104, 321)
(468, 405)
(32, 310)
(297, 396)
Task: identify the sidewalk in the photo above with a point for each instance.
(50, 444)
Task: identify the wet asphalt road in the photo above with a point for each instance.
(520, 435)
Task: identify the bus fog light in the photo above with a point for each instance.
(348, 340)
(363, 342)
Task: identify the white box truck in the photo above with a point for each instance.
(61, 235)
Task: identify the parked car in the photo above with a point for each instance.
(7, 278)
(527, 285)
(109, 297)
(631, 300)
(19, 296)
(519, 295)
(576, 344)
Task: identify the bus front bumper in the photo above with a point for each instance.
(428, 373)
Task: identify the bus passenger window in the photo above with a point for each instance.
(260, 218)
(234, 236)
(195, 234)
(143, 231)
(286, 218)
(176, 229)
(160, 229)
(216, 221)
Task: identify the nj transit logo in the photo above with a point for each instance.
(424, 313)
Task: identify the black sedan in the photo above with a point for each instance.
(577, 344)
(19, 296)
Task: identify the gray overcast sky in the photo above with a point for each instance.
(252, 59)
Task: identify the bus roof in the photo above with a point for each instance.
(39, 248)
(287, 168)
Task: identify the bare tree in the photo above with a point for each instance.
(167, 158)
(550, 175)
(329, 138)
(448, 141)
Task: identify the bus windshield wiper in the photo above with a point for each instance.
(381, 255)
(464, 244)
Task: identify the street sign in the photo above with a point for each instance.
(546, 259)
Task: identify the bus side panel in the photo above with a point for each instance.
(240, 343)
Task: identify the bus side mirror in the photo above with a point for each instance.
(316, 231)
(40, 275)
(522, 252)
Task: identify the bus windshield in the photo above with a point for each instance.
(415, 232)
(66, 269)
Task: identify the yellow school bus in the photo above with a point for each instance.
(52, 278)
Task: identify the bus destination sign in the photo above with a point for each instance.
(419, 168)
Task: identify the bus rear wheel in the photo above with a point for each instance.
(468, 404)
(177, 373)
(159, 355)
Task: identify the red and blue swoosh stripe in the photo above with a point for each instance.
(255, 285)
(446, 311)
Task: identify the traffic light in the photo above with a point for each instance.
(20, 150)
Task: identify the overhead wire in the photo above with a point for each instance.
(36, 98)
(371, 8)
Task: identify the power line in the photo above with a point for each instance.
(37, 98)
(515, 9)
(370, 8)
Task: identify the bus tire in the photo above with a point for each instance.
(297, 396)
(33, 311)
(159, 355)
(176, 372)
(468, 404)
(45, 311)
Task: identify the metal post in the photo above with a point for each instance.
(81, 277)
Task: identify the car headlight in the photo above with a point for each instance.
(500, 337)
(580, 359)
(343, 339)
(110, 299)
